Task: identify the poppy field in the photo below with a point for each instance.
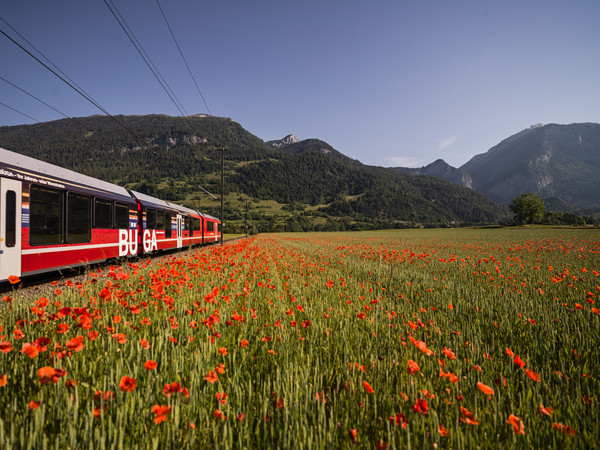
(413, 338)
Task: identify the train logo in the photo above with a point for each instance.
(149, 241)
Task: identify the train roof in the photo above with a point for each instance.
(40, 171)
(148, 200)
(154, 202)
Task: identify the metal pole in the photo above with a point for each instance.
(222, 189)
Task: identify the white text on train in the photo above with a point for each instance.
(128, 242)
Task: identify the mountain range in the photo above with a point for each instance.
(308, 185)
(559, 163)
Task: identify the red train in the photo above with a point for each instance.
(53, 218)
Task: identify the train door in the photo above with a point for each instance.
(179, 231)
(10, 228)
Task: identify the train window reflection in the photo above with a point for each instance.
(45, 215)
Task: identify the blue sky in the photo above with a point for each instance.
(390, 83)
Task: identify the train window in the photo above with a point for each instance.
(45, 215)
(210, 226)
(160, 220)
(121, 215)
(188, 225)
(11, 218)
(168, 226)
(102, 213)
(150, 219)
(196, 224)
(79, 218)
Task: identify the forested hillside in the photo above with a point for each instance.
(305, 185)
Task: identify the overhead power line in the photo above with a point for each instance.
(71, 85)
(34, 97)
(183, 57)
(123, 23)
(17, 111)
(46, 58)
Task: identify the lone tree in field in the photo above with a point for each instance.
(527, 208)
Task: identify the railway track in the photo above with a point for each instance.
(34, 286)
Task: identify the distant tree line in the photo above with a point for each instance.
(530, 209)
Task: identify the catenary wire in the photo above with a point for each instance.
(89, 99)
(183, 57)
(34, 97)
(47, 59)
(115, 12)
(22, 113)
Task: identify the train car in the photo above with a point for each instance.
(211, 230)
(165, 226)
(203, 229)
(53, 218)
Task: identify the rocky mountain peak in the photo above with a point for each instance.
(288, 140)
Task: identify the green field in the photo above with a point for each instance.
(417, 338)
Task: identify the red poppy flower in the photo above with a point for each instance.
(174, 388)
(449, 353)
(150, 365)
(42, 302)
(564, 429)
(13, 279)
(92, 335)
(75, 344)
(161, 412)
(221, 397)
(244, 343)
(546, 410)
(30, 350)
(519, 362)
(127, 384)
(421, 406)
(46, 374)
(531, 374)
(518, 426)
(485, 388)
(368, 387)
(219, 415)
(413, 367)
(353, 435)
(211, 377)
(120, 338)
(5, 347)
(34, 405)
(443, 431)
(421, 346)
(398, 419)
(85, 321)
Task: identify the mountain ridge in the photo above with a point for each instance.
(322, 188)
(552, 161)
